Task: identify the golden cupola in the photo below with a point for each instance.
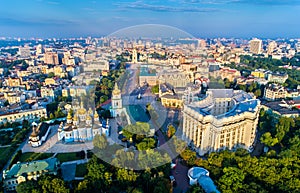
(116, 90)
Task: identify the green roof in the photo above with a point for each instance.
(34, 166)
(144, 71)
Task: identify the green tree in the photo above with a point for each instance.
(189, 156)
(51, 75)
(147, 143)
(171, 130)
(195, 189)
(268, 140)
(100, 142)
(232, 180)
(27, 187)
(155, 89)
(51, 184)
(126, 177)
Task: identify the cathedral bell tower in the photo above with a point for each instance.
(116, 102)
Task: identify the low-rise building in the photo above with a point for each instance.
(274, 92)
(283, 108)
(22, 172)
(19, 116)
(259, 73)
(277, 77)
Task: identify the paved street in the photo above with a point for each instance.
(165, 117)
(180, 174)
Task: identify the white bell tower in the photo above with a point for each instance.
(116, 102)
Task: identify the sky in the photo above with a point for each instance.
(201, 18)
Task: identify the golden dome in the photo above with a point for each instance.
(90, 111)
(96, 116)
(116, 90)
(88, 118)
(75, 118)
(81, 111)
(69, 116)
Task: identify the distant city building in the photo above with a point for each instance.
(96, 65)
(51, 58)
(39, 49)
(272, 47)
(223, 119)
(13, 82)
(256, 46)
(24, 52)
(148, 75)
(22, 172)
(175, 78)
(134, 56)
(260, 73)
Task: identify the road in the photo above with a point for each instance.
(165, 117)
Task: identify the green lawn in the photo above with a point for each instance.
(30, 156)
(5, 154)
(81, 170)
(137, 113)
(65, 157)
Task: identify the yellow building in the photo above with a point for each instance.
(50, 81)
(13, 82)
(259, 73)
(13, 97)
(172, 101)
(59, 71)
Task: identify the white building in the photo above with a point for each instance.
(224, 119)
(82, 127)
(39, 134)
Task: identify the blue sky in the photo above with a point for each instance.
(202, 18)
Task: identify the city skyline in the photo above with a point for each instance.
(204, 19)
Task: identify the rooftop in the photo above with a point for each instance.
(145, 71)
(28, 167)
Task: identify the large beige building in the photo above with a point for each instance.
(224, 119)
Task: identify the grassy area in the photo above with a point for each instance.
(81, 170)
(5, 154)
(30, 156)
(65, 157)
(137, 113)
